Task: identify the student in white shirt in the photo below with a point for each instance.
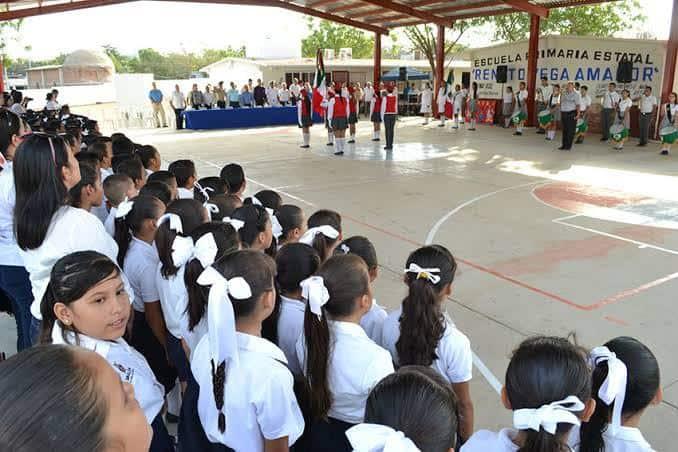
(646, 104)
(609, 102)
(442, 101)
(426, 101)
(246, 398)
(340, 362)
(78, 392)
(254, 226)
(135, 170)
(175, 248)
(184, 171)
(323, 233)
(521, 108)
(421, 333)
(86, 305)
(473, 105)
(292, 223)
(414, 408)
(135, 226)
(458, 100)
(508, 106)
(548, 388)
(14, 280)
(584, 108)
(553, 105)
(305, 116)
(46, 228)
(150, 158)
(88, 193)
(117, 188)
(295, 262)
(625, 383)
(623, 119)
(375, 113)
(669, 119)
(373, 321)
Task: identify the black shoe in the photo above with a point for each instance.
(386, 148)
(603, 139)
(305, 146)
(563, 148)
(472, 129)
(517, 133)
(441, 125)
(351, 141)
(339, 153)
(330, 144)
(541, 132)
(376, 139)
(579, 141)
(664, 152)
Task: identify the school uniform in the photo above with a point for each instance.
(132, 368)
(70, 230)
(625, 439)
(389, 114)
(290, 329)
(455, 359)
(109, 222)
(507, 106)
(352, 109)
(140, 266)
(543, 95)
(426, 102)
(373, 321)
(259, 400)
(375, 115)
(442, 99)
(185, 193)
(337, 116)
(14, 280)
(485, 441)
(305, 115)
(174, 301)
(646, 105)
(610, 102)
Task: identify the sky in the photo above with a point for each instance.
(167, 26)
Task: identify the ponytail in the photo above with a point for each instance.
(122, 236)
(218, 384)
(322, 244)
(131, 220)
(422, 323)
(317, 335)
(192, 214)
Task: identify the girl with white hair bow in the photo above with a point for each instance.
(246, 399)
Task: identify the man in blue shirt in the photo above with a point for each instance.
(155, 96)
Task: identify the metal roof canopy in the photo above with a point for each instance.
(376, 16)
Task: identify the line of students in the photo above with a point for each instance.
(264, 349)
(340, 112)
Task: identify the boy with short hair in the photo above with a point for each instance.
(117, 188)
(184, 171)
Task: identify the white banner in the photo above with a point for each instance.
(590, 61)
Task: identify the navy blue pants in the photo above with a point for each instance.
(162, 441)
(15, 283)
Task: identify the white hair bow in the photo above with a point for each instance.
(204, 249)
(381, 438)
(276, 227)
(326, 230)
(175, 223)
(424, 273)
(314, 291)
(124, 208)
(220, 316)
(256, 201)
(204, 190)
(211, 208)
(613, 388)
(549, 416)
(344, 248)
(237, 224)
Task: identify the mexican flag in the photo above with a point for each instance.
(449, 82)
(319, 87)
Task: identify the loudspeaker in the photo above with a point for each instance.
(625, 72)
(466, 79)
(402, 73)
(502, 73)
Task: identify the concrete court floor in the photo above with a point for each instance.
(548, 242)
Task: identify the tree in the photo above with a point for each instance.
(599, 20)
(9, 31)
(329, 35)
(122, 63)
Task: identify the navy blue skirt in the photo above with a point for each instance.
(162, 441)
(191, 434)
(328, 436)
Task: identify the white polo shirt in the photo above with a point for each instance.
(259, 400)
(140, 264)
(355, 366)
(455, 360)
(373, 321)
(173, 299)
(486, 441)
(546, 92)
(647, 103)
(610, 99)
(128, 363)
(290, 328)
(184, 193)
(585, 103)
(70, 230)
(178, 100)
(624, 105)
(9, 250)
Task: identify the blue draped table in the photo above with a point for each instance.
(237, 118)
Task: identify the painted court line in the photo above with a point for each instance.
(630, 292)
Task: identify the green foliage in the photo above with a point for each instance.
(329, 35)
(600, 20)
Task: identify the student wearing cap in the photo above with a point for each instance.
(389, 114)
(647, 103)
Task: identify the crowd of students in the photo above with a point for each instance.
(144, 284)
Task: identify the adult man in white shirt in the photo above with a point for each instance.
(368, 94)
(178, 103)
(295, 90)
(570, 102)
(610, 101)
(647, 103)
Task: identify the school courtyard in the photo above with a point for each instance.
(549, 242)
